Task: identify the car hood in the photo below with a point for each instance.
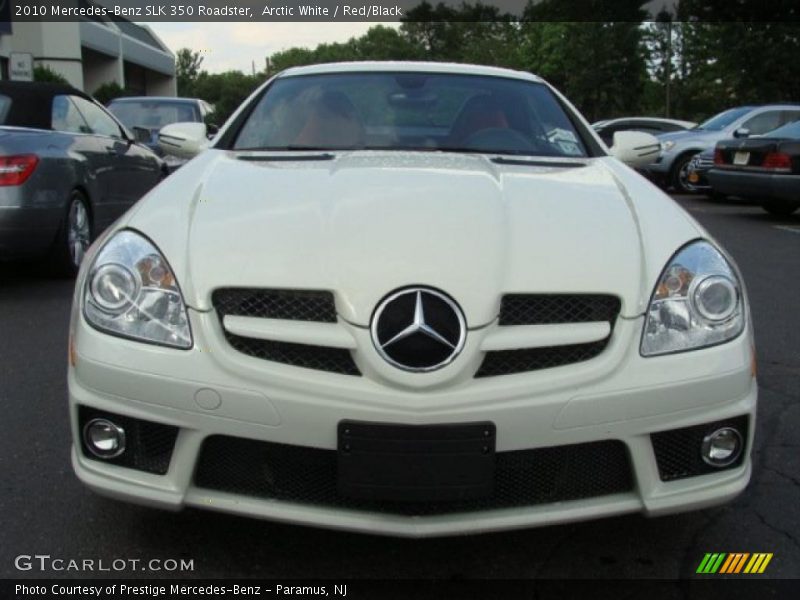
(365, 223)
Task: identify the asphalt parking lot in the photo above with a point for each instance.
(45, 510)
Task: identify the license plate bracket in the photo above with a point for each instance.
(416, 463)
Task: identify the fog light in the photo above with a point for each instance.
(103, 438)
(722, 447)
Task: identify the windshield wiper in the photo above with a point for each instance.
(533, 162)
(285, 157)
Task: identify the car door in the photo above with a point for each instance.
(762, 122)
(85, 148)
(790, 116)
(132, 170)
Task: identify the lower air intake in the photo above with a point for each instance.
(309, 476)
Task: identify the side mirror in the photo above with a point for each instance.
(635, 148)
(184, 140)
(742, 132)
(212, 130)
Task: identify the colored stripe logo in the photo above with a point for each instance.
(734, 563)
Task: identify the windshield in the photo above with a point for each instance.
(790, 130)
(153, 114)
(723, 119)
(410, 111)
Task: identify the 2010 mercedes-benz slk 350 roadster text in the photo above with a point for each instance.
(413, 299)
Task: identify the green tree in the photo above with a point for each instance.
(187, 69)
(226, 91)
(108, 91)
(385, 43)
(473, 33)
(293, 57)
(46, 74)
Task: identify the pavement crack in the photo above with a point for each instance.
(780, 473)
(690, 556)
(776, 529)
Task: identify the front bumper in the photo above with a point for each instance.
(616, 396)
(758, 185)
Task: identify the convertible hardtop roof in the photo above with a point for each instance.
(408, 66)
(32, 102)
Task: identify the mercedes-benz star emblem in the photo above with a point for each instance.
(418, 329)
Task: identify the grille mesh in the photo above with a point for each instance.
(508, 362)
(541, 309)
(309, 476)
(295, 305)
(320, 358)
(549, 309)
(148, 445)
(678, 450)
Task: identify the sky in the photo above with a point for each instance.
(234, 46)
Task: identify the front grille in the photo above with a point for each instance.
(309, 476)
(543, 309)
(678, 450)
(549, 309)
(703, 162)
(507, 362)
(295, 305)
(148, 445)
(320, 358)
(291, 305)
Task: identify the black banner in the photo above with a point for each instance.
(606, 589)
(402, 10)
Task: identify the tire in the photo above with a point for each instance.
(679, 173)
(780, 209)
(74, 237)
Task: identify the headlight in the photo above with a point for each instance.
(667, 146)
(132, 292)
(697, 303)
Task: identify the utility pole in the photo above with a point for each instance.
(665, 18)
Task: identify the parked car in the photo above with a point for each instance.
(653, 125)
(413, 299)
(68, 169)
(765, 168)
(146, 115)
(697, 172)
(672, 166)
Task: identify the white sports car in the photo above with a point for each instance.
(413, 299)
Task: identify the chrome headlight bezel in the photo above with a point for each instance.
(680, 314)
(144, 302)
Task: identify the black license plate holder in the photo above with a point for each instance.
(416, 463)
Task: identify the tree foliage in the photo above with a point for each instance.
(108, 91)
(226, 91)
(615, 65)
(187, 69)
(46, 74)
